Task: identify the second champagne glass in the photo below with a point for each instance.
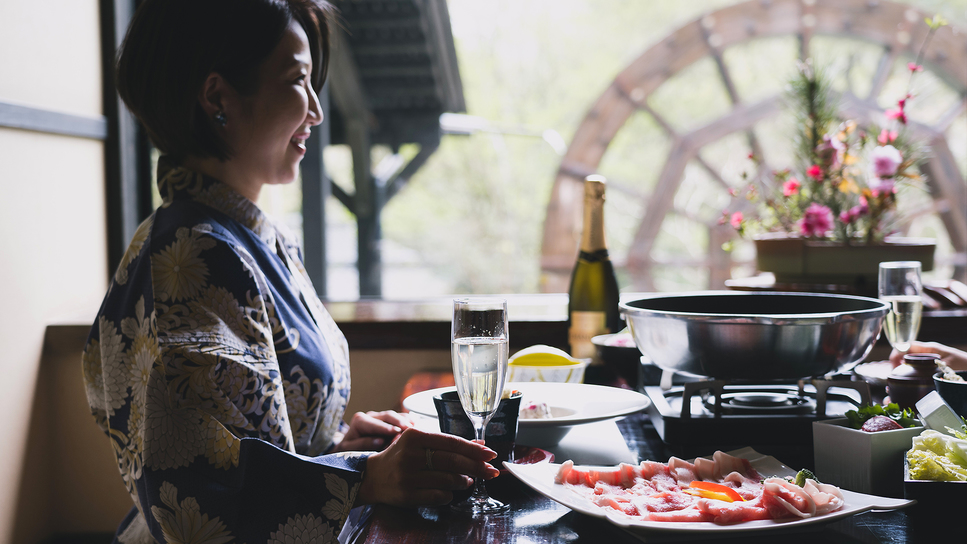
(900, 286)
(479, 339)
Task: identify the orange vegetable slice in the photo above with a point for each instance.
(712, 490)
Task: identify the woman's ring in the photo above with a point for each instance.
(429, 459)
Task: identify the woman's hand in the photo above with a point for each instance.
(423, 468)
(952, 357)
(371, 431)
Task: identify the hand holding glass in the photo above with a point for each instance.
(901, 287)
(479, 354)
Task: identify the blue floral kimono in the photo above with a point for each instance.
(220, 378)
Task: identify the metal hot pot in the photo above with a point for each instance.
(755, 336)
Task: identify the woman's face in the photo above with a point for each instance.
(267, 133)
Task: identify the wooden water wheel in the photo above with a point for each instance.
(895, 28)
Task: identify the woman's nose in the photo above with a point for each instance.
(315, 114)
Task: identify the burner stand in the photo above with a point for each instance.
(767, 402)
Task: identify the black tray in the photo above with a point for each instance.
(933, 495)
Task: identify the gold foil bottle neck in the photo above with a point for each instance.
(594, 187)
(592, 237)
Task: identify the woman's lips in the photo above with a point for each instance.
(299, 141)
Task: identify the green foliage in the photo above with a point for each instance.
(815, 113)
(905, 417)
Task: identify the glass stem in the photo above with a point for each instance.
(479, 490)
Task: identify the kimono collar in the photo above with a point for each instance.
(179, 183)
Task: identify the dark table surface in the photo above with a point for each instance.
(533, 518)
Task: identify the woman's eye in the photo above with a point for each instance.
(301, 78)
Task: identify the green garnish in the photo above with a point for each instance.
(905, 417)
(799, 479)
(803, 475)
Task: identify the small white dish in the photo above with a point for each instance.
(542, 363)
(861, 461)
(541, 479)
(570, 403)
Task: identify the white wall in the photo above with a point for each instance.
(52, 248)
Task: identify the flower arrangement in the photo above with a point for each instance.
(844, 188)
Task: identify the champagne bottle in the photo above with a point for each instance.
(592, 306)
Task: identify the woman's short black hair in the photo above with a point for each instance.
(173, 45)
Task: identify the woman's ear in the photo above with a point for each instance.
(213, 94)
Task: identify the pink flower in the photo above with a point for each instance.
(886, 159)
(848, 216)
(816, 221)
(898, 113)
(831, 151)
(815, 172)
(882, 186)
(914, 67)
(736, 220)
(791, 187)
(887, 136)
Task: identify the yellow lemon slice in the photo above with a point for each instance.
(541, 355)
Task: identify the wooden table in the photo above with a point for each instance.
(533, 518)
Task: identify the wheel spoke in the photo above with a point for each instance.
(883, 70)
(729, 83)
(664, 124)
(951, 115)
(711, 172)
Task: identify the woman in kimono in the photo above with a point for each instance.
(214, 369)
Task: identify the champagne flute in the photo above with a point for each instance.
(479, 338)
(901, 287)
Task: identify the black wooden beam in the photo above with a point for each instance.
(342, 196)
(52, 122)
(316, 189)
(368, 201)
(394, 185)
(444, 56)
(127, 151)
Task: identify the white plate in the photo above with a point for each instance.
(541, 479)
(570, 403)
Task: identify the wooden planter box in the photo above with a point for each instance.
(799, 261)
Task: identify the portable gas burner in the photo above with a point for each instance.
(716, 414)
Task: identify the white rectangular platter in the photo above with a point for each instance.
(540, 477)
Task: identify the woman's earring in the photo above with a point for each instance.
(220, 118)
